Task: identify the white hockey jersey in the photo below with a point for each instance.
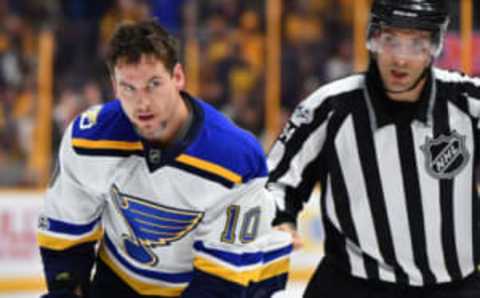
(159, 213)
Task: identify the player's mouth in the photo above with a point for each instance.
(145, 117)
(398, 74)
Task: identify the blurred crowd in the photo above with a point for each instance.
(232, 41)
(317, 47)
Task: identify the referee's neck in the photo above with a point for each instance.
(410, 95)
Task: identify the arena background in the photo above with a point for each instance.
(254, 60)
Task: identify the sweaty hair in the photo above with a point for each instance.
(132, 40)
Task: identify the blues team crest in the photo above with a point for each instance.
(151, 225)
(89, 118)
(446, 155)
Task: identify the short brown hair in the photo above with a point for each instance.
(132, 40)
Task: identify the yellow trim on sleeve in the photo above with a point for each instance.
(57, 243)
(106, 144)
(273, 269)
(139, 286)
(244, 277)
(210, 167)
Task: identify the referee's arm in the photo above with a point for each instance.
(294, 160)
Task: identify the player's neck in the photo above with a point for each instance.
(179, 125)
(186, 123)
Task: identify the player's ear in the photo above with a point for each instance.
(178, 75)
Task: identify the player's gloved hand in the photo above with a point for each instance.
(290, 228)
(64, 285)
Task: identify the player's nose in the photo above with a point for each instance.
(400, 59)
(143, 102)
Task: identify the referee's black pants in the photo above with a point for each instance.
(330, 282)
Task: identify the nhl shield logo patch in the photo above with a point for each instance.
(446, 155)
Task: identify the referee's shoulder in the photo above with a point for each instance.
(462, 90)
(454, 76)
(335, 90)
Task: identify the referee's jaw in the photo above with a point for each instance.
(403, 79)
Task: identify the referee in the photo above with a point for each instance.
(395, 151)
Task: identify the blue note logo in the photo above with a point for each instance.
(151, 225)
(446, 155)
(89, 118)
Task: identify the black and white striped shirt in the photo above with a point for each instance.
(399, 202)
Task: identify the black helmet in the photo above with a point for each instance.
(430, 15)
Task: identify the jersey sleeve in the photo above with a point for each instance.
(72, 209)
(236, 252)
(293, 161)
(70, 223)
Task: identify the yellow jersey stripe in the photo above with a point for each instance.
(209, 167)
(106, 144)
(273, 269)
(57, 243)
(244, 277)
(139, 286)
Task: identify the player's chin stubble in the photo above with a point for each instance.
(152, 134)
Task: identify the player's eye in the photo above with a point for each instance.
(128, 89)
(154, 84)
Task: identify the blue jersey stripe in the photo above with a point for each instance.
(244, 259)
(275, 254)
(71, 229)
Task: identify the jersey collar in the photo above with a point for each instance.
(157, 156)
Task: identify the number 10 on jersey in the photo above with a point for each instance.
(249, 224)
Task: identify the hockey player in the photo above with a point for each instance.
(170, 190)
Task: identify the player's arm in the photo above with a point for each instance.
(237, 253)
(68, 228)
(294, 162)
